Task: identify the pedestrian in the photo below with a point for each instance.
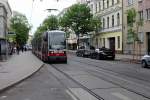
(18, 48)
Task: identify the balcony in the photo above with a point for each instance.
(112, 29)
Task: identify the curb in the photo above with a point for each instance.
(21, 80)
(129, 61)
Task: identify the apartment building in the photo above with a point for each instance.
(5, 15)
(110, 13)
(144, 31)
(142, 8)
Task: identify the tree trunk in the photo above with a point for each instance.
(78, 41)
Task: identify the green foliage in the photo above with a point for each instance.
(19, 25)
(96, 23)
(79, 19)
(132, 20)
(131, 15)
(50, 23)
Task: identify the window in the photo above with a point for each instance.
(107, 22)
(103, 23)
(107, 3)
(104, 42)
(92, 7)
(141, 36)
(103, 4)
(118, 1)
(113, 2)
(96, 8)
(148, 14)
(99, 6)
(141, 15)
(112, 20)
(130, 2)
(118, 38)
(118, 19)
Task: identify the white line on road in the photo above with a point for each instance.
(121, 96)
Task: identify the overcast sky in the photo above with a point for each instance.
(37, 14)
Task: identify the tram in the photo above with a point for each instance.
(51, 47)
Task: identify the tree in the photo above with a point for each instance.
(79, 19)
(133, 29)
(51, 22)
(19, 25)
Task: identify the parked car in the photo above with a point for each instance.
(85, 51)
(145, 61)
(103, 53)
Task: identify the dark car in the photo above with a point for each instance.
(85, 51)
(103, 53)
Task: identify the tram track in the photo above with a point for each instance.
(82, 86)
(107, 69)
(115, 74)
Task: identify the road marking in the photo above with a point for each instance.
(121, 96)
(81, 94)
(3, 97)
(72, 96)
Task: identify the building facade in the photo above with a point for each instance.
(144, 31)
(142, 8)
(5, 15)
(110, 13)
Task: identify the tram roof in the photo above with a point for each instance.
(55, 31)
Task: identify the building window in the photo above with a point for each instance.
(104, 42)
(99, 6)
(103, 23)
(107, 3)
(96, 7)
(107, 22)
(141, 15)
(130, 2)
(148, 13)
(141, 37)
(92, 8)
(118, 19)
(103, 4)
(113, 2)
(118, 1)
(118, 38)
(112, 20)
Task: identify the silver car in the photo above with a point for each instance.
(146, 61)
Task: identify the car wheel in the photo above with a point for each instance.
(77, 54)
(144, 64)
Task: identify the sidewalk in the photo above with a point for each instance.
(17, 68)
(119, 57)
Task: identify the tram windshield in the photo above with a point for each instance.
(57, 40)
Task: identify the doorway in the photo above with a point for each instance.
(112, 43)
(148, 43)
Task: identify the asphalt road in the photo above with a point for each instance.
(41, 86)
(111, 80)
(84, 79)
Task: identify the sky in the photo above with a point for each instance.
(36, 11)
